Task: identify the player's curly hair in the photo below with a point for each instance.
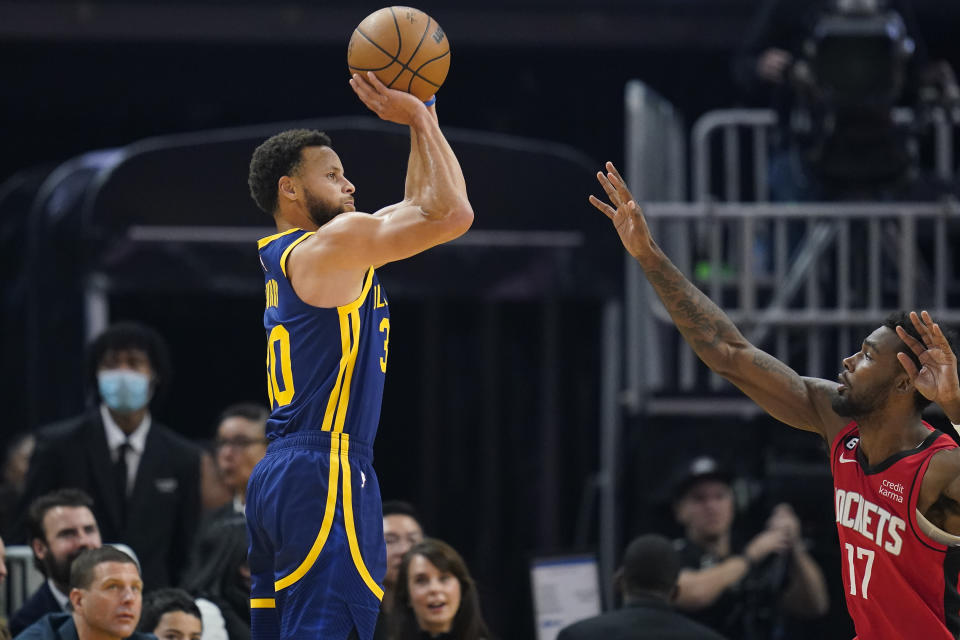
(279, 156)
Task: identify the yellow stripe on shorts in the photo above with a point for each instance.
(325, 525)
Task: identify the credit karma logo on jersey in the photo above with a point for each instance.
(871, 521)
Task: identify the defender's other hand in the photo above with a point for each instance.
(625, 213)
(388, 104)
(936, 379)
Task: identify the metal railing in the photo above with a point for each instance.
(805, 281)
(22, 579)
(727, 131)
(852, 265)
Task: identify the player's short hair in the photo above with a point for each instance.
(400, 508)
(902, 319)
(81, 569)
(160, 601)
(131, 335)
(650, 565)
(276, 157)
(41, 505)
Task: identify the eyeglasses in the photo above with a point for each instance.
(237, 443)
(393, 539)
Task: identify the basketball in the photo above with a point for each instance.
(404, 47)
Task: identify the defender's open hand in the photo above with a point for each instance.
(625, 213)
(936, 379)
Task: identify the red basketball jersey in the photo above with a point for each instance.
(899, 583)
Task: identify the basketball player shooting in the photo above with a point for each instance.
(317, 555)
(896, 479)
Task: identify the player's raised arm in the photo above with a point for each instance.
(801, 402)
(435, 208)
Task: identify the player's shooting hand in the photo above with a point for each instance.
(388, 104)
(936, 379)
(623, 211)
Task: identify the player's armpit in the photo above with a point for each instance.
(939, 499)
(358, 240)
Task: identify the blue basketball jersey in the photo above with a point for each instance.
(325, 366)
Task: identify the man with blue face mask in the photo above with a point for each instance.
(143, 477)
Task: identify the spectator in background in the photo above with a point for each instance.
(105, 599)
(401, 531)
(15, 464)
(61, 527)
(144, 478)
(740, 592)
(435, 595)
(647, 582)
(219, 577)
(241, 443)
(834, 70)
(171, 614)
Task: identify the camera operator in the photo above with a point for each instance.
(834, 70)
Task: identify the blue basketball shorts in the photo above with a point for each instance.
(315, 526)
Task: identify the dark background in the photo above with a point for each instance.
(490, 415)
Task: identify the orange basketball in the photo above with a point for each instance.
(404, 47)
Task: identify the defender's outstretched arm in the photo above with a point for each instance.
(801, 402)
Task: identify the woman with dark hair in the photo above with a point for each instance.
(435, 596)
(219, 573)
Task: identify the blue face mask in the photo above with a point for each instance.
(123, 390)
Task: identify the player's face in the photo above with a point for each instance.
(326, 191)
(868, 375)
(69, 531)
(111, 605)
(434, 595)
(706, 511)
(400, 532)
(178, 625)
(240, 446)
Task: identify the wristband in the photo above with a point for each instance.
(432, 101)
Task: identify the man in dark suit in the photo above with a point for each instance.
(143, 477)
(61, 526)
(648, 583)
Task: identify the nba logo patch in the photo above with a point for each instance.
(851, 443)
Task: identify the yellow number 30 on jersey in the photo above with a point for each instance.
(280, 335)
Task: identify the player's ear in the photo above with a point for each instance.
(902, 382)
(286, 188)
